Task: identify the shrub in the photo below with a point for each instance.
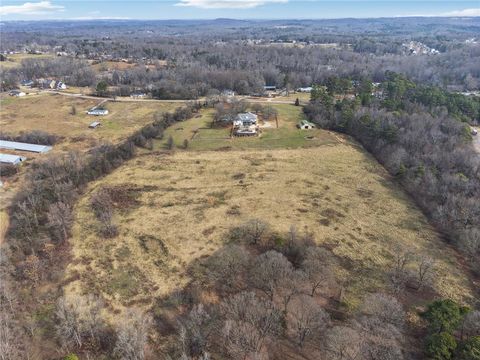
(441, 346)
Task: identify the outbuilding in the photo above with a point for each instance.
(13, 145)
(305, 125)
(94, 125)
(16, 93)
(97, 112)
(11, 159)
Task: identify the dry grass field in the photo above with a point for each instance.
(15, 60)
(53, 113)
(174, 210)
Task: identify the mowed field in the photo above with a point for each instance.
(175, 209)
(201, 136)
(53, 113)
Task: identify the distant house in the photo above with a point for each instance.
(246, 119)
(11, 159)
(270, 88)
(16, 93)
(60, 85)
(27, 83)
(94, 125)
(97, 112)
(49, 84)
(305, 125)
(138, 95)
(305, 89)
(228, 93)
(13, 145)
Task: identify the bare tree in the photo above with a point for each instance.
(60, 220)
(132, 335)
(290, 286)
(384, 307)
(306, 319)
(268, 270)
(471, 324)
(79, 320)
(318, 268)
(254, 230)
(228, 265)
(398, 274)
(68, 325)
(195, 331)
(249, 321)
(425, 271)
(343, 343)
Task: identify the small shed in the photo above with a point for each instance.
(11, 159)
(13, 145)
(305, 125)
(97, 112)
(94, 125)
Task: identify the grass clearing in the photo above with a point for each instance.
(15, 60)
(53, 113)
(201, 136)
(189, 200)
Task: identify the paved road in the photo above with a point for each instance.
(127, 99)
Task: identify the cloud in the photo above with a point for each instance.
(455, 13)
(29, 8)
(464, 12)
(227, 4)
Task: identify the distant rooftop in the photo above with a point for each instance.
(13, 145)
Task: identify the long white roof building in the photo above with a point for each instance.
(13, 145)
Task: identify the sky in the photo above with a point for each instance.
(236, 9)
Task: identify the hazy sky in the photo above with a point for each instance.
(239, 9)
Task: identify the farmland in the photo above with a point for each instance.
(54, 114)
(201, 136)
(181, 206)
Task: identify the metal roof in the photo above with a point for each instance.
(247, 117)
(13, 145)
(11, 159)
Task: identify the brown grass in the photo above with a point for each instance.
(52, 113)
(191, 199)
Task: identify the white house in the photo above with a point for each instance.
(97, 112)
(246, 119)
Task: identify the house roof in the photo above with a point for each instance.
(247, 117)
(11, 159)
(13, 145)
